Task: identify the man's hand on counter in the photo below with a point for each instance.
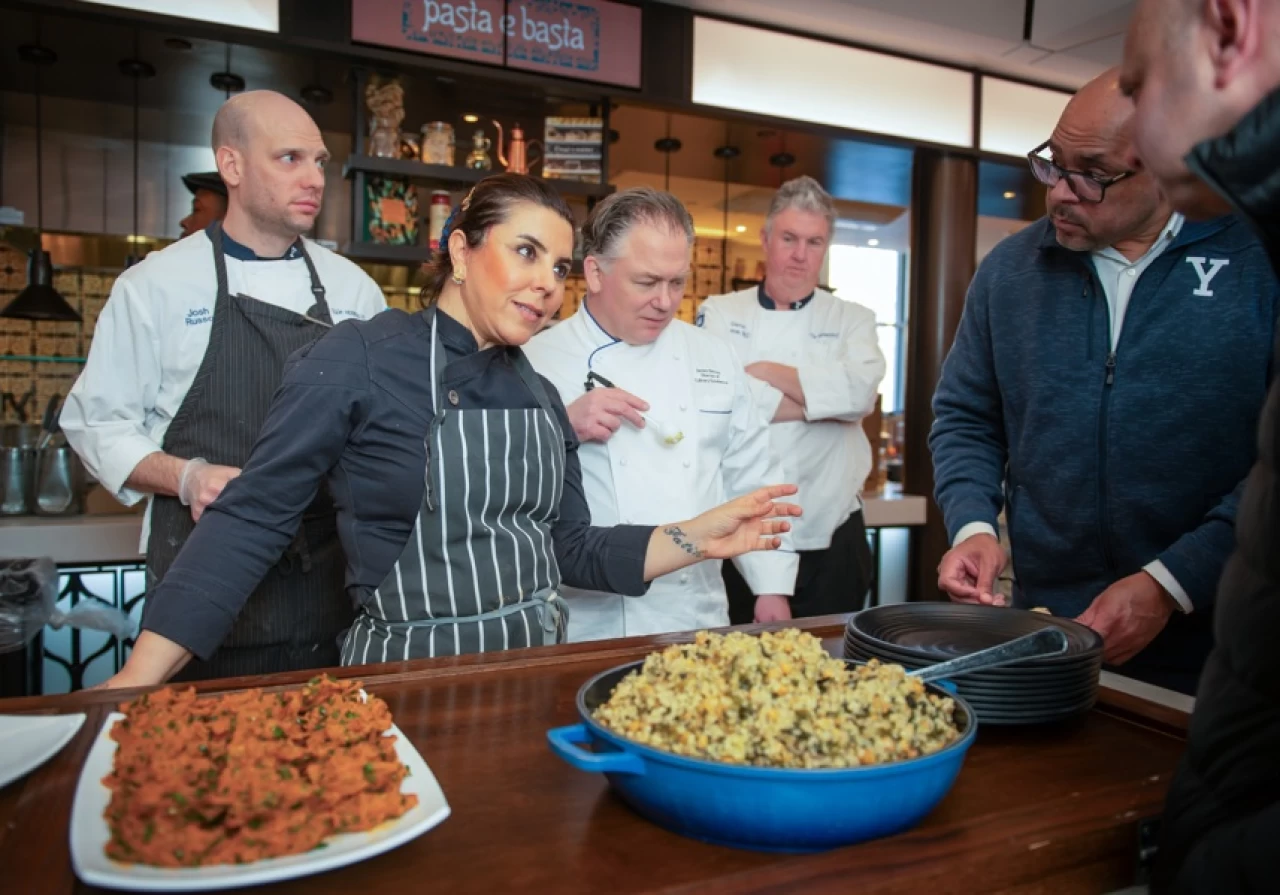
(772, 608)
(968, 570)
(1129, 614)
(598, 414)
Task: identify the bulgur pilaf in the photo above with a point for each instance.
(777, 700)
(250, 775)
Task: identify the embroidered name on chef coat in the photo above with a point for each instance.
(824, 335)
(709, 376)
(739, 329)
(199, 316)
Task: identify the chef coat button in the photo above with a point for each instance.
(684, 406)
(453, 397)
(684, 577)
(622, 462)
(687, 464)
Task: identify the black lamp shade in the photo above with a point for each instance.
(40, 301)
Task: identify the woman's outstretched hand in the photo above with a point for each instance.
(751, 522)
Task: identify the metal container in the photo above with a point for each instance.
(16, 467)
(762, 809)
(24, 435)
(59, 482)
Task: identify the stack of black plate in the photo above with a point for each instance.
(1035, 691)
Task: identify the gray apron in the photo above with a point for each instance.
(295, 617)
(478, 572)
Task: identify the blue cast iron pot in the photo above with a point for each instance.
(763, 809)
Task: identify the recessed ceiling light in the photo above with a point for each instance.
(741, 228)
(873, 242)
(470, 119)
(1010, 194)
(177, 43)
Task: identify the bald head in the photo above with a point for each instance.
(271, 156)
(1100, 109)
(1194, 69)
(246, 116)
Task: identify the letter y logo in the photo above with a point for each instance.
(1215, 265)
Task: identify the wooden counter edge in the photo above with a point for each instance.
(1151, 714)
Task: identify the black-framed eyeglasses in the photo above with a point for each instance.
(1086, 187)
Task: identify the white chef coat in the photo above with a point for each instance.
(832, 344)
(695, 386)
(151, 338)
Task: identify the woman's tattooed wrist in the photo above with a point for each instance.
(683, 541)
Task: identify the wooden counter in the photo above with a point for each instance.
(1044, 809)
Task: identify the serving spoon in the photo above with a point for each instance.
(1041, 644)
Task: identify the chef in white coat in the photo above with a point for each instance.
(816, 366)
(664, 413)
(186, 356)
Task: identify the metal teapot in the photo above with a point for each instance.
(516, 161)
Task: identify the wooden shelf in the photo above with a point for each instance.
(411, 170)
(380, 253)
(452, 175)
(576, 188)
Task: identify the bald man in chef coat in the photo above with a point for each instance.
(664, 414)
(187, 354)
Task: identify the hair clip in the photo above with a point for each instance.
(447, 230)
(466, 202)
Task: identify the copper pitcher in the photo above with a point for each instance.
(516, 159)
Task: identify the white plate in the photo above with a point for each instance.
(90, 833)
(28, 741)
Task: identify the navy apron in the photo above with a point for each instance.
(295, 617)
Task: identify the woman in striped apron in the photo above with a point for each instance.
(452, 466)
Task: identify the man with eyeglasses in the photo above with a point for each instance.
(1104, 389)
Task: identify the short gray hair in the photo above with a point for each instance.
(803, 193)
(611, 220)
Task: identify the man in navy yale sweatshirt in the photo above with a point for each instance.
(1104, 389)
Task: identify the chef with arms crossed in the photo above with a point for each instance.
(816, 368)
(188, 351)
(664, 414)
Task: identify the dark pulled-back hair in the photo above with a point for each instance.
(489, 202)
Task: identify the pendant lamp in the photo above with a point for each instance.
(39, 301)
(667, 145)
(136, 69)
(726, 153)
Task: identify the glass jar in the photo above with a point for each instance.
(384, 137)
(437, 143)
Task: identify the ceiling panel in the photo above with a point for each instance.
(986, 34)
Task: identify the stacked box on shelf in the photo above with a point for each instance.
(575, 289)
(573, 149)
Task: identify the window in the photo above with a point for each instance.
(873, 278)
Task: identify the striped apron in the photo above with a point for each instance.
(478, 572)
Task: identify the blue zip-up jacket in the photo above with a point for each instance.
(1109, 461)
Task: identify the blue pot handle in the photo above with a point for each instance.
(565, 743)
